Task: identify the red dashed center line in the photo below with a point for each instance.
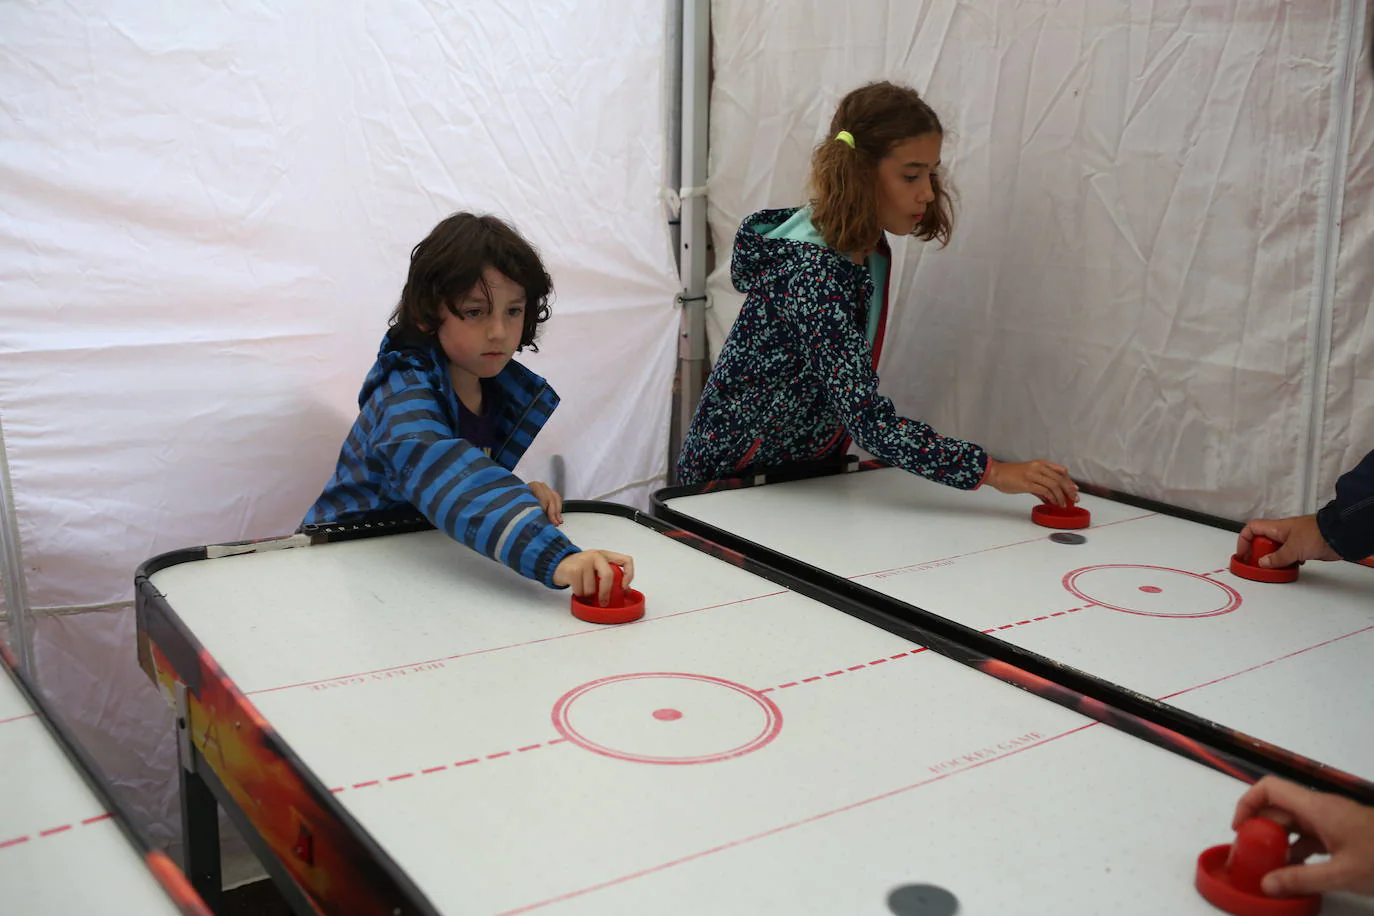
(1022, 623)
(838, 671)
(444, 767)
(54, 831)
(974, 553)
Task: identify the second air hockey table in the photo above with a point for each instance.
(67, 845)
(400, 725)
(1139, 608)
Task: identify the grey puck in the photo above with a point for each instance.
(922, 900)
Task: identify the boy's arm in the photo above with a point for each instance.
(460, 490)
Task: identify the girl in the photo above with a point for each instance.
(796, 379)
(445, 413)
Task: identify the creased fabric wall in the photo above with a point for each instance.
(1136, 262)
(1348, 422)
(208, 214)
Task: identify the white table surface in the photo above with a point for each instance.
(1147, 602)
(740, 750)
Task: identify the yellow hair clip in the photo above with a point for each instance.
(845, 136)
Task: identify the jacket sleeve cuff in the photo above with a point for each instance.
(987, 466)
(558, 551)
(1339, 536)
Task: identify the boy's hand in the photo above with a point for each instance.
(549, 500)
(589, 572)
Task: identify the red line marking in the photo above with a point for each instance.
(442, 767)
(776, 830)
(27, 715)
(51, 831)
(97, 819)
(960, 556)
(1169, 696)
(337, 789)
(516, 645)
(839, 671)
(1046, 617)
(14, 842)
(1122, 521)
(1059, 613)
(899, 655)
(1022, 623)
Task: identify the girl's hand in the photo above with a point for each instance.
(1041, 478)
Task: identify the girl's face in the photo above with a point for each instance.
(904, 189)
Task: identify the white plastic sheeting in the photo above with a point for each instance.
(1347, 432)
(208, 213)
(1137, 280)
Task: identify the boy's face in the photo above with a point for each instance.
(486, 332)
(904, 189)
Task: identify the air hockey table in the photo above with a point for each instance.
(1139, 608)
(65, 845)
(399, 725)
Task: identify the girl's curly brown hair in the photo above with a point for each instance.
(844, 179)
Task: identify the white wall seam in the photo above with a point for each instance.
(12, 568)
(1321, 316)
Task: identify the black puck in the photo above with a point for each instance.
(922, 900)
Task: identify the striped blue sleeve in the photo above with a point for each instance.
(460, 490)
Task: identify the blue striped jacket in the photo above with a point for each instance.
(405, 452)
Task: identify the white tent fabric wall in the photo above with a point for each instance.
(1137, 260)
(1348, 422)
(209, 210)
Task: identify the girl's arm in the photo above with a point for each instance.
(815, 306)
